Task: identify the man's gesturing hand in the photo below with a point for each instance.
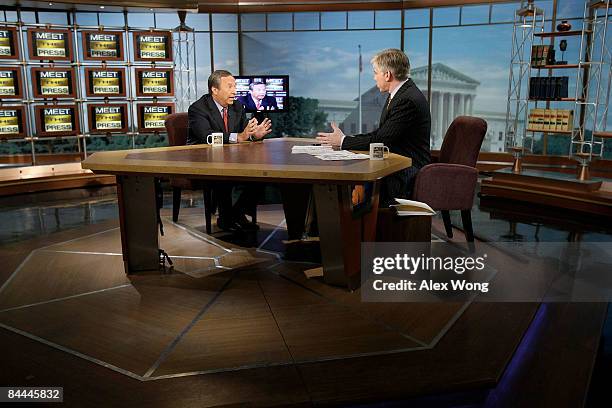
(334, 138)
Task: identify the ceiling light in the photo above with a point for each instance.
(101, 7)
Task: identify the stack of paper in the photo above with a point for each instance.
(409, 207)
(311, 149)
(342, 155)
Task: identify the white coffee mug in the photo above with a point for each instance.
(215, 139)
(378, 150)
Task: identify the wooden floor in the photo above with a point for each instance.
(235, 323)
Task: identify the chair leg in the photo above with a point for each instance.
(466, 219)
(447, 223)
(208, 209)
(176, 203)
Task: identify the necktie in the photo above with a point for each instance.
(388, 102)
(225, 120)
(258, 105)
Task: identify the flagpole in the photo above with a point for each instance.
(359, 89)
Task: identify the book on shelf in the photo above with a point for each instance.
(568, 120)
(548, 88)
(410, 207)
(547, 119)
(540, 120)
(542, 55)
(550, 120)
(563, 93)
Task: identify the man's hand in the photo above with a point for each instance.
(334, 138)
(262, 129)
(248, 130)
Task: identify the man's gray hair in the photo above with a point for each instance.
(393, 60)
(215, 79)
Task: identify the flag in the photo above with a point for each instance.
(360, 61)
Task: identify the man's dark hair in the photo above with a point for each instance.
(252, 84)
(215, 79)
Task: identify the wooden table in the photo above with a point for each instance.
(270, 161)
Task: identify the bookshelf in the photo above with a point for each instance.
(598, 4)
(565, 66)
(593, 83)
(529, 20)
(560, 132)
(602, 134)
(561, 34)
(591, 72)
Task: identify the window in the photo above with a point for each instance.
(501, 136)
(141, 20)
(58, 17)
(167, 20)
(446, 16)
(475, 15)
(224, 22)
(333, 21)
(226, 51)
(388, 19)
(87, 19)
(253, 22)
(416, 18)
(279, 21)
(361, 20)
(323, 67)
(306, 21)
(480, 71)
(112, 19)
(198, 21)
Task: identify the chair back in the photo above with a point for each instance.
(177, 125)
(463, 140)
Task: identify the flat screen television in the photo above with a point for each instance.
(263, 93)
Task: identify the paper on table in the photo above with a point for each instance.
(411, 207)
(311, 149)
(342, 155)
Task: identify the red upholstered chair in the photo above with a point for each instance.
(177, 125)
(450, 183)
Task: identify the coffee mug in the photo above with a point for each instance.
(378, 150)
(215, 139)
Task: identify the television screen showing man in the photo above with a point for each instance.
(257, 100)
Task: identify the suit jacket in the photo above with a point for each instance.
(205, 118)
(267, 102)
(404, 128)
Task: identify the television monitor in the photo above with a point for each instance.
(263, 93)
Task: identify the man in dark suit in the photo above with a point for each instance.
(405, 125)
(217, 112)
(257, 100)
